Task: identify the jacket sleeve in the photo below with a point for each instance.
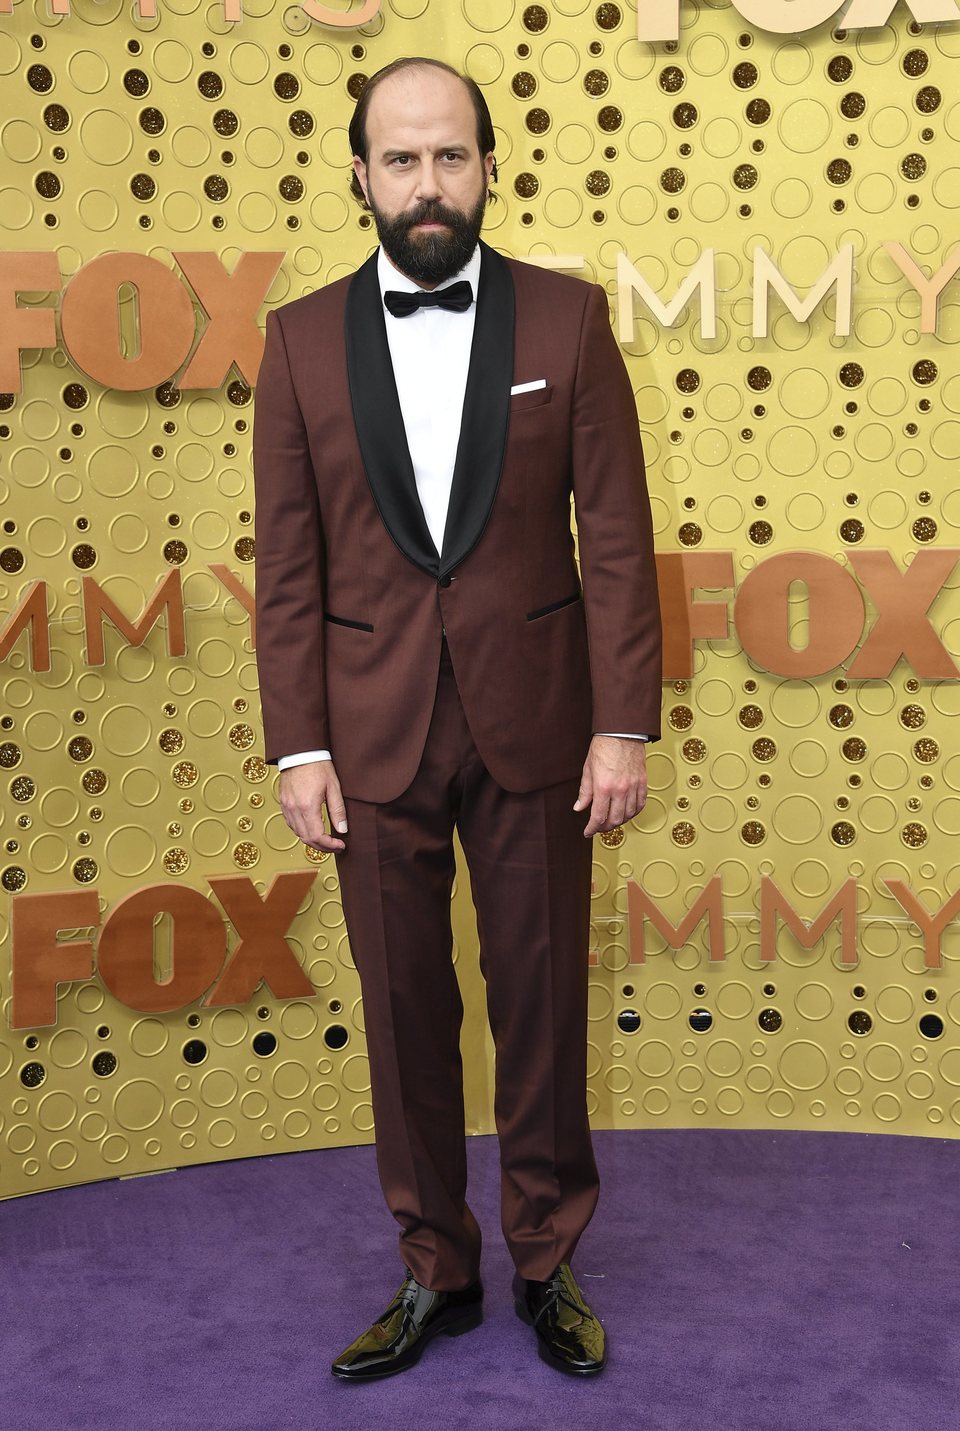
(289, 563)
(615, 534)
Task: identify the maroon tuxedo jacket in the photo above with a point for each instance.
(351, 595)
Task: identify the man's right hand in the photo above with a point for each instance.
(304, 790)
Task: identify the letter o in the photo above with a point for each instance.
(761, 614)
(125, 948)
(779, 18)
(342, 19)
(90, 321)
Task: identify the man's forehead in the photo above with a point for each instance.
(416, 100)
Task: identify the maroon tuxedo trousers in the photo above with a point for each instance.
(529, 869)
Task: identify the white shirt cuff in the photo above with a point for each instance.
(306, 757)
(622, 735)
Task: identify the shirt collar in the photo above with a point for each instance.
(391, 278)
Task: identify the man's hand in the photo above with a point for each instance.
(304, 790)
(614, 782)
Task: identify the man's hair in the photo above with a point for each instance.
(486, 139)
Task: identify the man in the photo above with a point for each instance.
(420, 429)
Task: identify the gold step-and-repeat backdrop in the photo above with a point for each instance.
(770, 200)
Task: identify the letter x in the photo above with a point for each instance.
(263, 951)
(902, 627)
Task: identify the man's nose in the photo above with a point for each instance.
(428, 181)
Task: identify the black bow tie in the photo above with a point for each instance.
(457, 298)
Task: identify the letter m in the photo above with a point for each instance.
(702, 276)
(30, 615)
(843, 904)
(168, 596)
(766, 275)
(640, 906)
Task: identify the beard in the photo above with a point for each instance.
(432, 257)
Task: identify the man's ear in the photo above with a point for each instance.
(360, 169)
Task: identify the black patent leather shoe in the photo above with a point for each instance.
(569, 1336)
(398, 1336)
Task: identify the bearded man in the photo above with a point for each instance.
(431, 658)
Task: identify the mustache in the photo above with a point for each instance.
(431, 211)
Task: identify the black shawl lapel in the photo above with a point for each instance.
(483, 428)
(379, 421)
(486, 412)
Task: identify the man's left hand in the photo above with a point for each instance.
(614, 782)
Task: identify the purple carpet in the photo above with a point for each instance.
(748, 1280)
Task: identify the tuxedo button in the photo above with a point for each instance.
(445, 580)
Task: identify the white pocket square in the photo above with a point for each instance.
(528, 387)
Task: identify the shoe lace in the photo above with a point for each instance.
(407, 1294)
(556, 1293)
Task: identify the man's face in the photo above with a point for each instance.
(424, 178)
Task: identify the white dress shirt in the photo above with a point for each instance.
(430, 353)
